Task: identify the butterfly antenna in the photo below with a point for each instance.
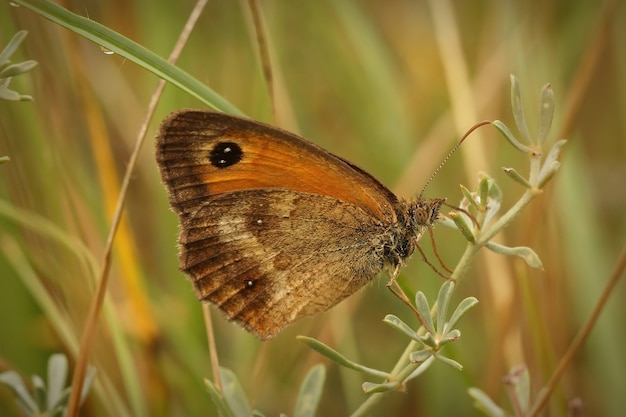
(452, 151)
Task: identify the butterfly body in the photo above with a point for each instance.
(273, 227)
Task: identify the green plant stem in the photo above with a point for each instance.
(404, 358)
(367, 405)
(505, 219)
(403, 367)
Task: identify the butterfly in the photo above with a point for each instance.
(273, 227)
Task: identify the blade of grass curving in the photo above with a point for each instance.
(130, 50)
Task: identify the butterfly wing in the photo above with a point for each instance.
(273, 227)
(203, 153)
(269, 257)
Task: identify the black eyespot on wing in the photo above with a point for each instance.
(225, 154)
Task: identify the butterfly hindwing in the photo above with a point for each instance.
(264, 258)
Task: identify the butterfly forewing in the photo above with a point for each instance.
(202, 154)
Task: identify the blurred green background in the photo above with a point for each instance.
(391, 86)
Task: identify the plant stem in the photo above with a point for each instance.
(404, 368)
(581, 337)
(505, 219)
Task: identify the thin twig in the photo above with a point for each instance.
(579, 340)
(264, 53)
(588, 64)
(215, 364)
(92, 322)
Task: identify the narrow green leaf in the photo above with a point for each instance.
(483, 191)
(17, 69)
(218, 399)
(555, 151)
(13, 381)
(517, 177)
(234, 394)
(58, 408)
(310, 392)
(447, 222)
(371, 387)
(464, 226)
(4, 159)
(524, 252)
(452, 336)
(12, 46)
(449, 361)
(429, 340)
(469, 197)
(423, 308)
(495, 193)
(39, 392)
(546, 113)
(420, 369)
(518, 110)
(485, 404)
(420, 356)
(7, 94)
(460, 310)
(548, 173)
(396, 322)
(443, 301)
(57, 378)
(493, 207)
(551, 164)
(510, 137)
(337, 357)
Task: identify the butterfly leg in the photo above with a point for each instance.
(427, 262)
(432, 241)
(395, 288)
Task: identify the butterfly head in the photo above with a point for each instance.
(424, 212)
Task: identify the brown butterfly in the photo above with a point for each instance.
(273, 227)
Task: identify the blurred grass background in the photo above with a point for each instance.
(375, 82)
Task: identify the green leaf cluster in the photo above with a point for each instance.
(9, 70)
(46, 400)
